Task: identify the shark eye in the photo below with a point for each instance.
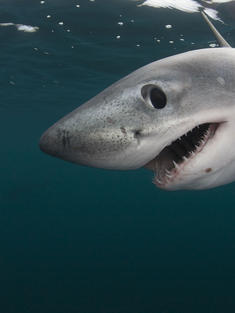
(154, 96)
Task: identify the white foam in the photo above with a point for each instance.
(21, 27)
(212, 13)
(7, 24)
(217, 1)
(27, 28)
(189, 6)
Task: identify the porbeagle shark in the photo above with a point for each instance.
(175, 116)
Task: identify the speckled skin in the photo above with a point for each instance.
(118, 129)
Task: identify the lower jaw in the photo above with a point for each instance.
(170, 178)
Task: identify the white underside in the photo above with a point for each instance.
(214, 165)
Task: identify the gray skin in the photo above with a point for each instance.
(119, 129)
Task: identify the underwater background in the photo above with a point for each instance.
(75, 239)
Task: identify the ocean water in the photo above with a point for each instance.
(75, 239)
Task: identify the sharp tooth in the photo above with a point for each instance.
(169, 176)
(175, 165)
(158, 181)
(168, 172)
(184, 158)
(206, 135)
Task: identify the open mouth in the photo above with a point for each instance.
(170, 161)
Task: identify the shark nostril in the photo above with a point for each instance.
(123, 130)
(55, 141)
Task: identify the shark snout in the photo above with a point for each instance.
(70, 140)
(108, 132)
(90, 141)
(55, 141)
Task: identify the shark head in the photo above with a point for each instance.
(175, 116)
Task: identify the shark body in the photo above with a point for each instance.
(175, 116)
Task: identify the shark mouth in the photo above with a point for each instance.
(173, 158)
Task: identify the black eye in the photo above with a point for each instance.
(154, 95)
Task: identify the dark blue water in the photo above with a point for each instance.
(84, 240)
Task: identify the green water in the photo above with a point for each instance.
(83, 240)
